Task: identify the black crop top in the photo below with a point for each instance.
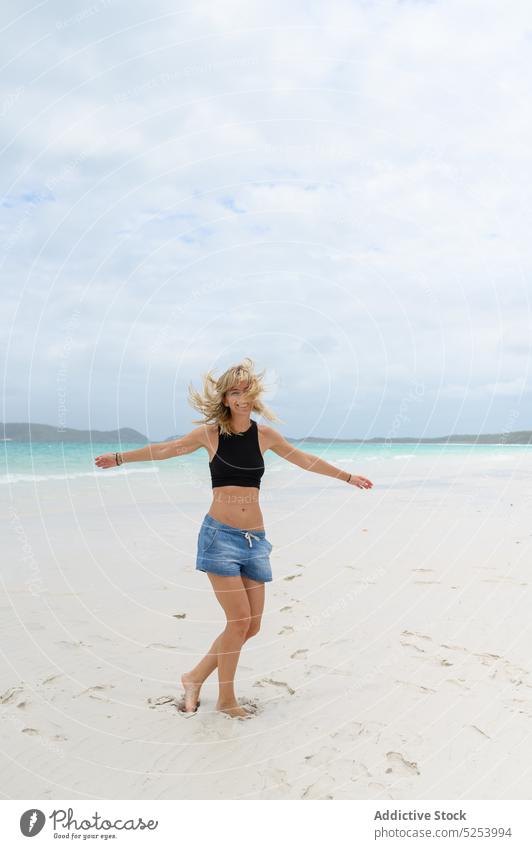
(238, 460)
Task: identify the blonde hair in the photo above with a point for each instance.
(210, 404)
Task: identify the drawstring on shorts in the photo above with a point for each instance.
(248, 536)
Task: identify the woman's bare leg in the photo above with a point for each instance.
(207, 665)
(193, 680)
(231, 594)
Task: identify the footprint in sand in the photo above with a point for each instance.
(52, 678)
(416, 634)
(323, 757)
(299, 653)
(416, 637)
(274, 779)
(251, 705)
(452, 648)
(487, 658)
(506, 671)
(264, 681)
(172, 701)
(353, 729)
(285, 609)
(400, 765)
(286, 629)
(410, 639)
(413, 646)
(291, 577)
(359, 771)
(458, 682)
(10, 694)
(95, 689)
(502, 668)
(317, 669)
(379, 791)
(319, 789)
(349, 732)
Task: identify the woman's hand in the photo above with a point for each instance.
(105, 461)
(362, 483)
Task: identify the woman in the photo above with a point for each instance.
(232, 548)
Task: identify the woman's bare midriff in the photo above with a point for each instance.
(237, 506)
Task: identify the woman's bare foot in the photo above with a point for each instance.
(235, 710)
(192, 690)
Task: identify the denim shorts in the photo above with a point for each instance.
(226, 550)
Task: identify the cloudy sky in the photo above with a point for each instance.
(340, 191)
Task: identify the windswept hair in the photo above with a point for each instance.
(209, 402)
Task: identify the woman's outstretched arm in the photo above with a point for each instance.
(310, 462)
(156, 451)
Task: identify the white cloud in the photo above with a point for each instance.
(346, 178)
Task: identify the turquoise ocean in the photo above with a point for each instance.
(40, 461)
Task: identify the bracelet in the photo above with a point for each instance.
(349, 478)
(116, 458)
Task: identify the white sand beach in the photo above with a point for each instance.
(393, 661)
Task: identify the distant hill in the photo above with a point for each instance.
(520, 437)
(32, 432)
